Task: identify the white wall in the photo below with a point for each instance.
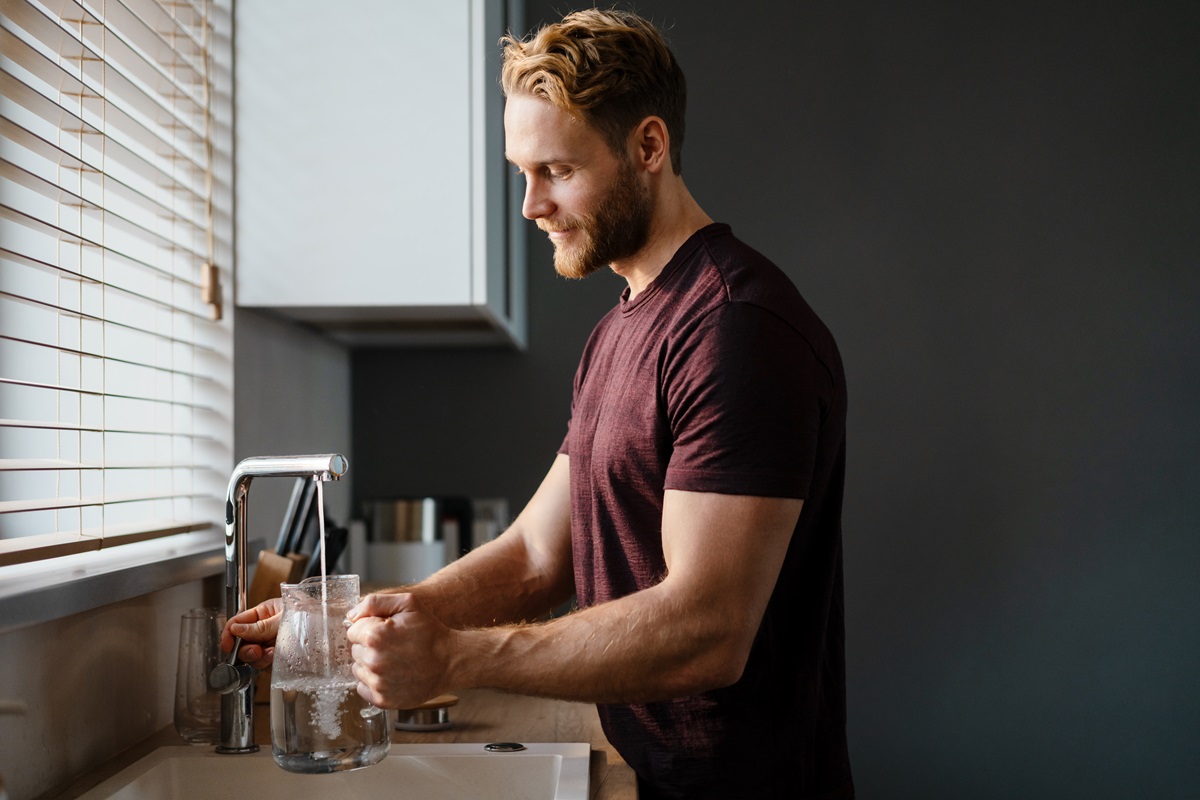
(94, 684)
(292, 396)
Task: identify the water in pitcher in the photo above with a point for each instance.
(321, 726)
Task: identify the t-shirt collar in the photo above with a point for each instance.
(668, 274)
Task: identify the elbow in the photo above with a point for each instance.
(729, 666)
(717, 665)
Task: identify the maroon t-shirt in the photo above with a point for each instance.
(718, 377)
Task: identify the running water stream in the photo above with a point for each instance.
(324, 576)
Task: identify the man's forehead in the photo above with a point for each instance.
(537, 132)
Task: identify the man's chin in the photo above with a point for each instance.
(571, 272)
(574, 268)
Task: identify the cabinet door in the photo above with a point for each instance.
(365, 136)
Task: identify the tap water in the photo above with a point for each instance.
(318, 726)
(321, 529)
(324, 577)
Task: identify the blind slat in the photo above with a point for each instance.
(166, 401)
(64, 426)
(65, 160)
(109, 68)
(70, 237)
(64, 503)
(60, 465)
(195, 15)
(88, 18)
(58, 348)
(66, 120)
(119, 125)
(157, 336)
(54, 269)
(75, 541)
(185, 51)
(53, 191)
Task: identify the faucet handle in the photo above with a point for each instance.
(228, 677)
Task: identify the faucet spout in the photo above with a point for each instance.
(237, 706)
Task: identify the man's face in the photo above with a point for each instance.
(591, 203)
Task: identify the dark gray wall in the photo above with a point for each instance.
(994, 206)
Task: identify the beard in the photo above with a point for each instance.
(618, 228)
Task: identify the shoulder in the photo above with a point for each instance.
(758, 305)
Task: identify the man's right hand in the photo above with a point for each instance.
(257, 628)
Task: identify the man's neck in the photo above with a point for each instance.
(676, 217)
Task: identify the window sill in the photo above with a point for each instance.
(48, 590)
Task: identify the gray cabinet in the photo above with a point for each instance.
(372, 196)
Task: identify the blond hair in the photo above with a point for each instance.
(610, 68)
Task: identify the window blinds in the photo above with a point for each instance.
(115, 365)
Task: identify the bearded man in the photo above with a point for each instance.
(694, 507)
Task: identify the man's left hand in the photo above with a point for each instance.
(400, 650)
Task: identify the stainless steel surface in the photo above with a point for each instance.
(237, 707)
(405, 519)
(423, 719)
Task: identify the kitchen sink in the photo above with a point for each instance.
(417, 771)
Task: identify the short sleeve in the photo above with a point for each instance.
(745, 395)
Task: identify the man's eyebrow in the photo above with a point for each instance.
(545, 162)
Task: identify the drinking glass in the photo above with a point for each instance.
(198, 707)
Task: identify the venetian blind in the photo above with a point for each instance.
(115, 364)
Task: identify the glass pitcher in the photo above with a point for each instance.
(319, 722)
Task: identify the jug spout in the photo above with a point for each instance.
(237, 707)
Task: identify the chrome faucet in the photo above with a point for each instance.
(236, 683)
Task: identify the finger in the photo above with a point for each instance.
(268, 657)
(257, 631)
(362, 631)
(365, 679)
(366, 693)
(381, 605)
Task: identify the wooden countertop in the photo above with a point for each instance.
(480, 716)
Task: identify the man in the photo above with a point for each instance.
(694, 507)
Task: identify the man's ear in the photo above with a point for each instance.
(651, 144)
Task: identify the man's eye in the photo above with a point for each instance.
(560, 174)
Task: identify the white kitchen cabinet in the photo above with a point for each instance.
(372, 196)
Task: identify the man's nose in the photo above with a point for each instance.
(537, 203)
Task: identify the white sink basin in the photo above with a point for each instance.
(417, 771)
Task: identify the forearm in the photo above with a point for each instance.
(499, 583)
(641, 648)
(521, 575)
